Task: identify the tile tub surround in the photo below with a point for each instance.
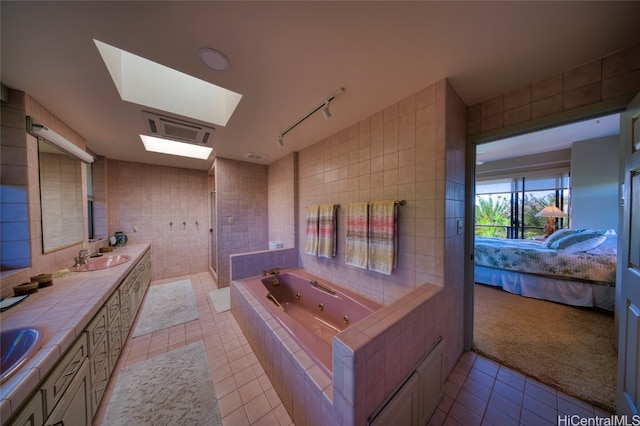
(63, 310)
(244, 265)
(313, 328)
(370, 359)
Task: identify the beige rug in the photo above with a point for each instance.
(569, 348)
(166, 305)
(221, 299)
(174, 388)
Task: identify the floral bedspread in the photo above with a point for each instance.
(534, 258)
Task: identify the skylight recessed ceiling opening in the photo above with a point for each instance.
(167, 146)
(145, 82)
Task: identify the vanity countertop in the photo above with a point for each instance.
(63, 311)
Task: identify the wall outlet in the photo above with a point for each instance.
(135, 228)
(230, 220)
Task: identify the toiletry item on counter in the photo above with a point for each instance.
(61, 273)
(25, 288)
(43, 280)
(121, 239)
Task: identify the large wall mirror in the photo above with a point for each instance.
(61, 200)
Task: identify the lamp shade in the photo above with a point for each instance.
(551, 211)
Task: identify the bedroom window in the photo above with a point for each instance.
(506, 207)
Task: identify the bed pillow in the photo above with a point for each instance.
(559, 234)
(579, 241)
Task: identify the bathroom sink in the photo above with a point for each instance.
(104, 262)
(17, 346)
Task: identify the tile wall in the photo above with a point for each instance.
(20, 167)
(603, 79)
(282, 200)
(168, 207)
(242, 211)
(412, 150)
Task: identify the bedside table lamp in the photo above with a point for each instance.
(551, 212)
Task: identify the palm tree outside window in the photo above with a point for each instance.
(507, 207)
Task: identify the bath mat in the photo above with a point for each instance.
(167, 305)
(174, 388)
(221, 299)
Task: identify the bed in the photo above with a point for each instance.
(573, 266)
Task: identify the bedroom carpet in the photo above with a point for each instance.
(569, 348)
(166, 305)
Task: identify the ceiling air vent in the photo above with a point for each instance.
(176, 129)
(254, 156)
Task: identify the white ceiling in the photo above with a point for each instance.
(287, 57)
(553, 139)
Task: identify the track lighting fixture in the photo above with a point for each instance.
(325, 112)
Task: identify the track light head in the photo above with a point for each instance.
(325, 111)
(280, 141)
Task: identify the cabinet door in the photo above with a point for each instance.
(32, 413)
(74, 409)
(63, 374)
(115, 341)
(431, 382)
(403, 408)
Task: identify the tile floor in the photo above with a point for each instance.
(478, 391)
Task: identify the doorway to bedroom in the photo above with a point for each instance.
(537, 309)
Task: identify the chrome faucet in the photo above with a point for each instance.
(83, 256)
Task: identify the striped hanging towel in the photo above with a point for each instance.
(383, 236)
(311, 246)
(327, 231)
(357, 235)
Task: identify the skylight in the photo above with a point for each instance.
(145, 82)
(167, 146)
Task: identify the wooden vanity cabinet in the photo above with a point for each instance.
(71, 393)
(75, 408)
(32, 413)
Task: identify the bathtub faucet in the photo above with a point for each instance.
(272, 271)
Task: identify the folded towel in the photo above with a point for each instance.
(383, 236)
(311, 246)
(327, 231)
(357, 235)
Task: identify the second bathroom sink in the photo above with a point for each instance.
(17, 346)
(104, 262)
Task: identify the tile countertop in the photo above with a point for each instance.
(63, 311)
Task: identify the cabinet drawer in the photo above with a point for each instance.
(75, 408)
(63, 373)
(125, 289)
(113, 307)
(97, 330)
(99, 356)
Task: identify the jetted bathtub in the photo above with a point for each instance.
(311, 309)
